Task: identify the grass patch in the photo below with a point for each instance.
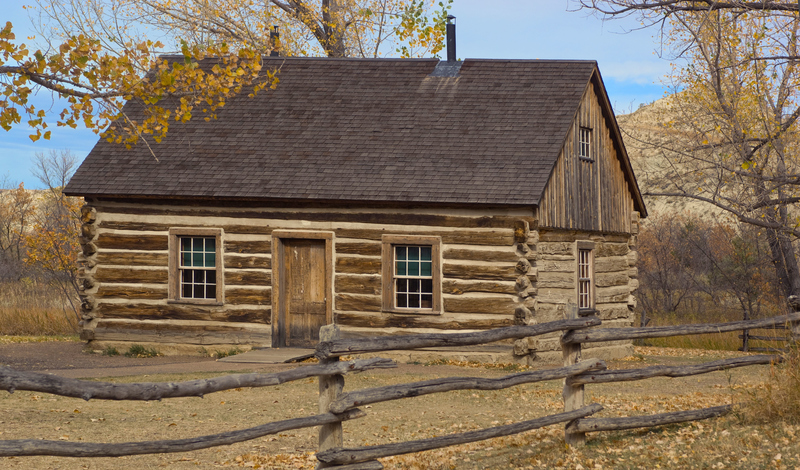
(218, 354)
(110, 351)
(508, 367)
(728, 341)
(778, 398)
(137, 350)
(31, 308)
(38, 339)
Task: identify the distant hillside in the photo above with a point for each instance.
(643, 132)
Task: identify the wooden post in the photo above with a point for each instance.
(330, 387)
(572, 394)
(794, 327)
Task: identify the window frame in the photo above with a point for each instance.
(388, 295)
(585, 144)
(175, 266)
(589, 248)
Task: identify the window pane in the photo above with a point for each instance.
(211, 260)
(425, 253)
(211, 291)
(401, 300)
(413, 285)
(197, 244)
(413, 301)
(425, 268)
(400, 253)
(186, 275)
(427, 286)
(402, 285)
(186, 244)
(413, 252)
(197, 259)
(198, 291)
(186, 291)
(427, 301)
(401, 268)
(413, 269)
(186, 259)
(210, 245)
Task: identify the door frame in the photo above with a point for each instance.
(278, 267)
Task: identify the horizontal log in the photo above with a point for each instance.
(357, 284)
(766, 338)
(626, 375)
(113, 241)
(612, 264)
(125, 258)
(131, 275)
(616, 424)
(458, 287)
(160, 227)
(505, 255)
(186, 332)
(426, 387)
(381, 218)
(617, 334)
(247, 278)
(459, 237)
(356, 346)
(237, 296)
(255, 247)
(362, 454)
(359, 302)
(115, 291)
(28, 447)
(441, 322)
(499, 304)
(359, 248)
(12, 380)
(179, 311)
(771, 350)
(611, 249)
(371, 465)
(247, 262)
(353, 265)
(479, 272)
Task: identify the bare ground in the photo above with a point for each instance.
(39, 416)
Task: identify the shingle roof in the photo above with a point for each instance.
(363, 130)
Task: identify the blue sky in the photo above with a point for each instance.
(510, 29)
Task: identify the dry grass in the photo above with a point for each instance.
(778, 398)
(30, 308)
(714, 341)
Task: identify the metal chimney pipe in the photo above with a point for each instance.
(451, 38)
(275, 41)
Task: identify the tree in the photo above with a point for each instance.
(100, 54)
(730, 134)
(52, 243)
(16, 207)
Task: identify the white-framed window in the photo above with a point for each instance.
(411, 274)
(196, 265)
(585, 144)
(585, 271)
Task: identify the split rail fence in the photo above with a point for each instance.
(335, 407)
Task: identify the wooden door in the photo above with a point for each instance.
(303, 289)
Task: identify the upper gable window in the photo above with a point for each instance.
(585, 144)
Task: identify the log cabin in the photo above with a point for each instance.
(387, 196)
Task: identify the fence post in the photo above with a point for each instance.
(330, 387)
(572, 394)
(794, 327)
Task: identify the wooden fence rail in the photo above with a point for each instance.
(336, 406)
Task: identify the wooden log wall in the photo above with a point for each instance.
(126, 273)
(553, 255)
(591, 196)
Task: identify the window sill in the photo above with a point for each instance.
(587, 312)
(411, 311)
(210, 303)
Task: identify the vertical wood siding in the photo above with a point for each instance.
(582, 195)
